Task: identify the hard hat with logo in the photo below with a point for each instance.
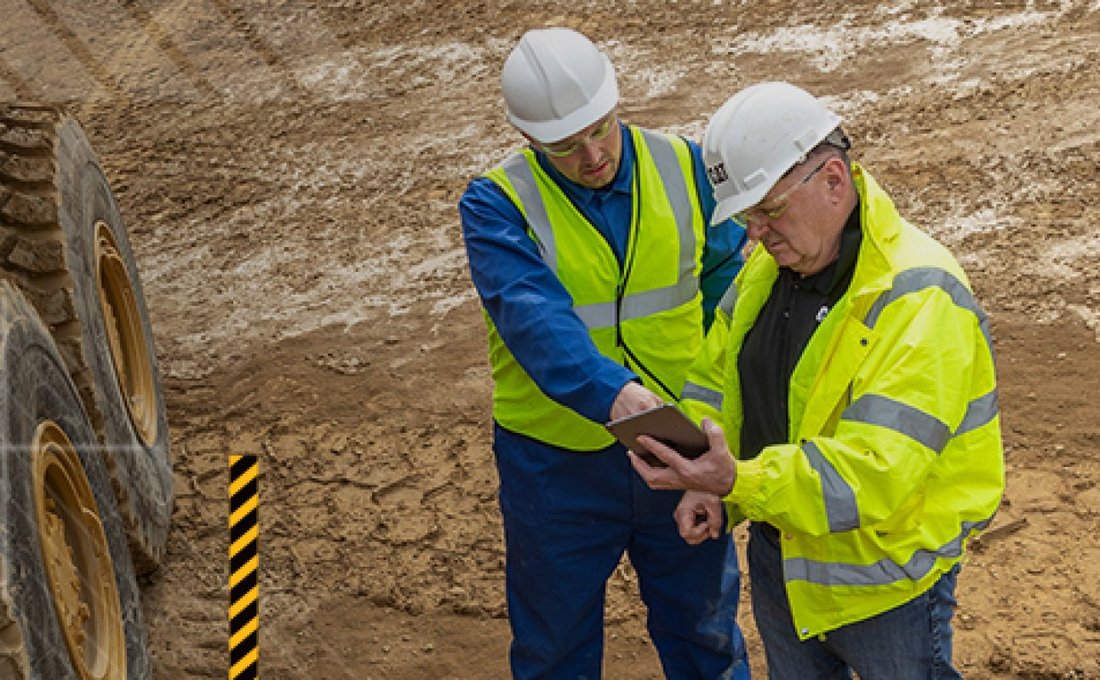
(756, 137)
(556, 83)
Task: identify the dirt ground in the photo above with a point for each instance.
(288, 171)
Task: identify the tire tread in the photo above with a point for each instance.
(33, 246)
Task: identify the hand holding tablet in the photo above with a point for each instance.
(667, 424)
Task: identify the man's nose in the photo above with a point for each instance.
(756, 228)
(589, 150)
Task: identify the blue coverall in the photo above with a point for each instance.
(569, 516)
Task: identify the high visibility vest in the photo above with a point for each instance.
(894, 456)
(645, 313)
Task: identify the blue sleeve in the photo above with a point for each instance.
(531, 308)
(722, 257)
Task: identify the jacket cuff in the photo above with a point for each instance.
(746, 487)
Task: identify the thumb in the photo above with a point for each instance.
(715, 437)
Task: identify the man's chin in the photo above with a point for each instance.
(596, 182)
(780, 254)
(599, 176)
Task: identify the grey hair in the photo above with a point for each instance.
(836, 143)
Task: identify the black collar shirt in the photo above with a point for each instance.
(795, 308)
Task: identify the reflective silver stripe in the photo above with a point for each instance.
(913, 280)
(840, 500)
(728, 300)
(597, 315)
(522, 178)
(978, 413)
(712, 398)
(676, 188)
(638, 305)
(914, 423)
(881, 573)
(981, 410)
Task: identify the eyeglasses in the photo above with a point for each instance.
(569, 148)
(779, 204)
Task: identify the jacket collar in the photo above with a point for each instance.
(882, 226)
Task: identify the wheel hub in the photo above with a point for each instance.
(126, 336)
(78, 565)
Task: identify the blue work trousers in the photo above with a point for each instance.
(568, 519)
(910, 642)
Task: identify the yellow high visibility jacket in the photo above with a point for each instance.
(650, 307)
(894, 458)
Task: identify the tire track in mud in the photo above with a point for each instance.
(238, 19)
(20, 87)
(80, 50)
(168, 47)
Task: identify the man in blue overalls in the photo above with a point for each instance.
(598, 276)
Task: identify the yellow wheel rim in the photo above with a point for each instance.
(79, 570)
(126, 335)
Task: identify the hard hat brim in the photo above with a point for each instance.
(550, 131)
(731, 205)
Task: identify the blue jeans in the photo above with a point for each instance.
(910, 642)
(568, 519)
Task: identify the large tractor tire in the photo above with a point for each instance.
(69, 601)
(63, 243)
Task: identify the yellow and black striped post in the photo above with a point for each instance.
(244, 562)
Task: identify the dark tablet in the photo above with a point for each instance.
(666, 424)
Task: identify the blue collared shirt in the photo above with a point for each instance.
(532, 309)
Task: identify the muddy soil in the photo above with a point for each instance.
(288, 171)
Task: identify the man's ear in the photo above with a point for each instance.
(835, 177)
(831, 177)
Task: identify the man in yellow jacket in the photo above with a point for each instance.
(848, 392)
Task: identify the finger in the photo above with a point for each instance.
(695, 536)
(643, 468)
(675, 472)
(685, 520)
(716, 438)
(662, 452)
(650, 475)
(701, 522)
(691, 530)
(714, 520)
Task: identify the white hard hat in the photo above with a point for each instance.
(756, 137)
(556, 83)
